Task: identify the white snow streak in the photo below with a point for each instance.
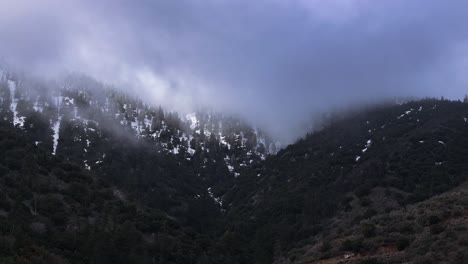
(14, 102)
(56, 129)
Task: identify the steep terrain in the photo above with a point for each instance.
(165, 160)
(432, 231)
(367, 164)
(91, 175)
(53, 211)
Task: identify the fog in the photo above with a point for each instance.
(276, 63)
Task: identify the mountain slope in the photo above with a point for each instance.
(432, 231)
(366, 164)
(53, 211)
(91, 175)
(162, 159)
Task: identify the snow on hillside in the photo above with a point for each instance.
(73, 109)
(56, 129)
(17, 120)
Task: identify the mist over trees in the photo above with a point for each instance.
(91, 175)
(235, 132)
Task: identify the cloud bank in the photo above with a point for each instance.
(273, 62)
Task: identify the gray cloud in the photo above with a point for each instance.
(274, 62)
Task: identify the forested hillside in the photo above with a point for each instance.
(162, 159)
(314, 198)
(53, 211)
(91, 175)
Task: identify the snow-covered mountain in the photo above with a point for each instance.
(80, 110)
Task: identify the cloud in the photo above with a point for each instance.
(273, 62)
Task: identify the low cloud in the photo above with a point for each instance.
(274, 62)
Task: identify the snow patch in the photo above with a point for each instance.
(56, 129)
(405, 113)
(13, 104)
(69, 101)
(86, 165)
(192, 118)
(216, 199)
(191, 151)
(224, 142)
(175, 151)
(367, 146)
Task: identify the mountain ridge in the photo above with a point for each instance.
(208, 188)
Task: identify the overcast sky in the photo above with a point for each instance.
(273, 61)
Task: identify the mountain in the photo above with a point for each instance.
(178, 166)
(89, 174)
(341, 190)
(103, 130)
(53, 211)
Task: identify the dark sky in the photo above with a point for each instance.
(274, 62)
